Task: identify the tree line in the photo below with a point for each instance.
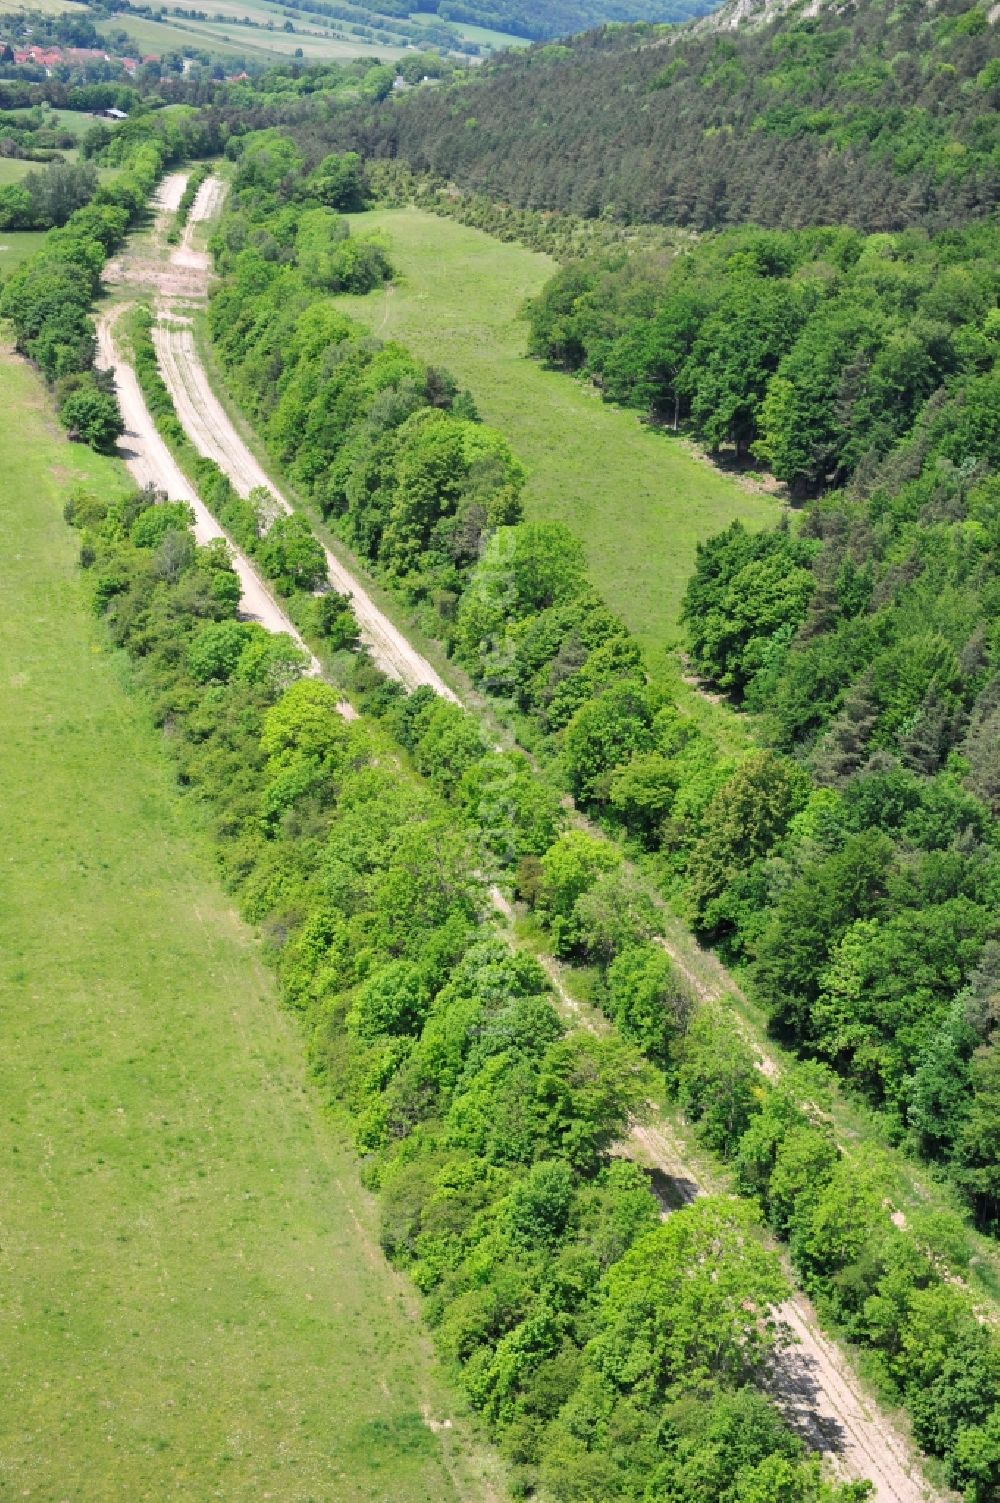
(49, 297)
(429, 498)
(541, 19)
(602, 1346)
(814, 350)
(47, 198)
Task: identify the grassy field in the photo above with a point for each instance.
(12, 169)
(639, 500)
(193, 1305)
(319, 38)
(482, 34)
(16, 246)
(46, 7)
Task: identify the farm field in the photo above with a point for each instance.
(639, 500)
(195, 1306)
(45, 7)
(482, 34)
(231, 40)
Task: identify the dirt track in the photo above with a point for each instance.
(812, 1379)
(151, 463)
(213, 434)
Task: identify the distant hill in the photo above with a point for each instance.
(875, 115)
(541, 20)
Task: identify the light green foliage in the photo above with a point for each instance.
(569, 870)
(394, 1000)
(602, 736)
(717, 1081)
(690, 1303)
(337, 182)
(647, 998)
(216, 650)
(305, 722)
(515, 812)
(614, 913)
(330, 258)
(523, 570)
(292, 555)
(749, 813)
(304, 739)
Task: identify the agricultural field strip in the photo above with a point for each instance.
(815, 1381)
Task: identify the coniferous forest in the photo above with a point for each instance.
(865, 115)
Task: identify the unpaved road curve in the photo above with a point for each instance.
(210, 430)
(151, 463)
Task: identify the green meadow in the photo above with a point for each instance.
(16, 246)
(640, 500)
(193, 1303)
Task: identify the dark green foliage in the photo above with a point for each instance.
(48, 298)
(291, 555)
(877, 118)
(43, 199)
(89, 411)
(817, 349)
(368, 433)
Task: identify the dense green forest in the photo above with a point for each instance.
(874, 116)
(817, 350)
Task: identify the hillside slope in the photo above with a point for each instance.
(870, 116)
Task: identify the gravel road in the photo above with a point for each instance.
(811, 1379)
(151, 463)
(210, 430)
